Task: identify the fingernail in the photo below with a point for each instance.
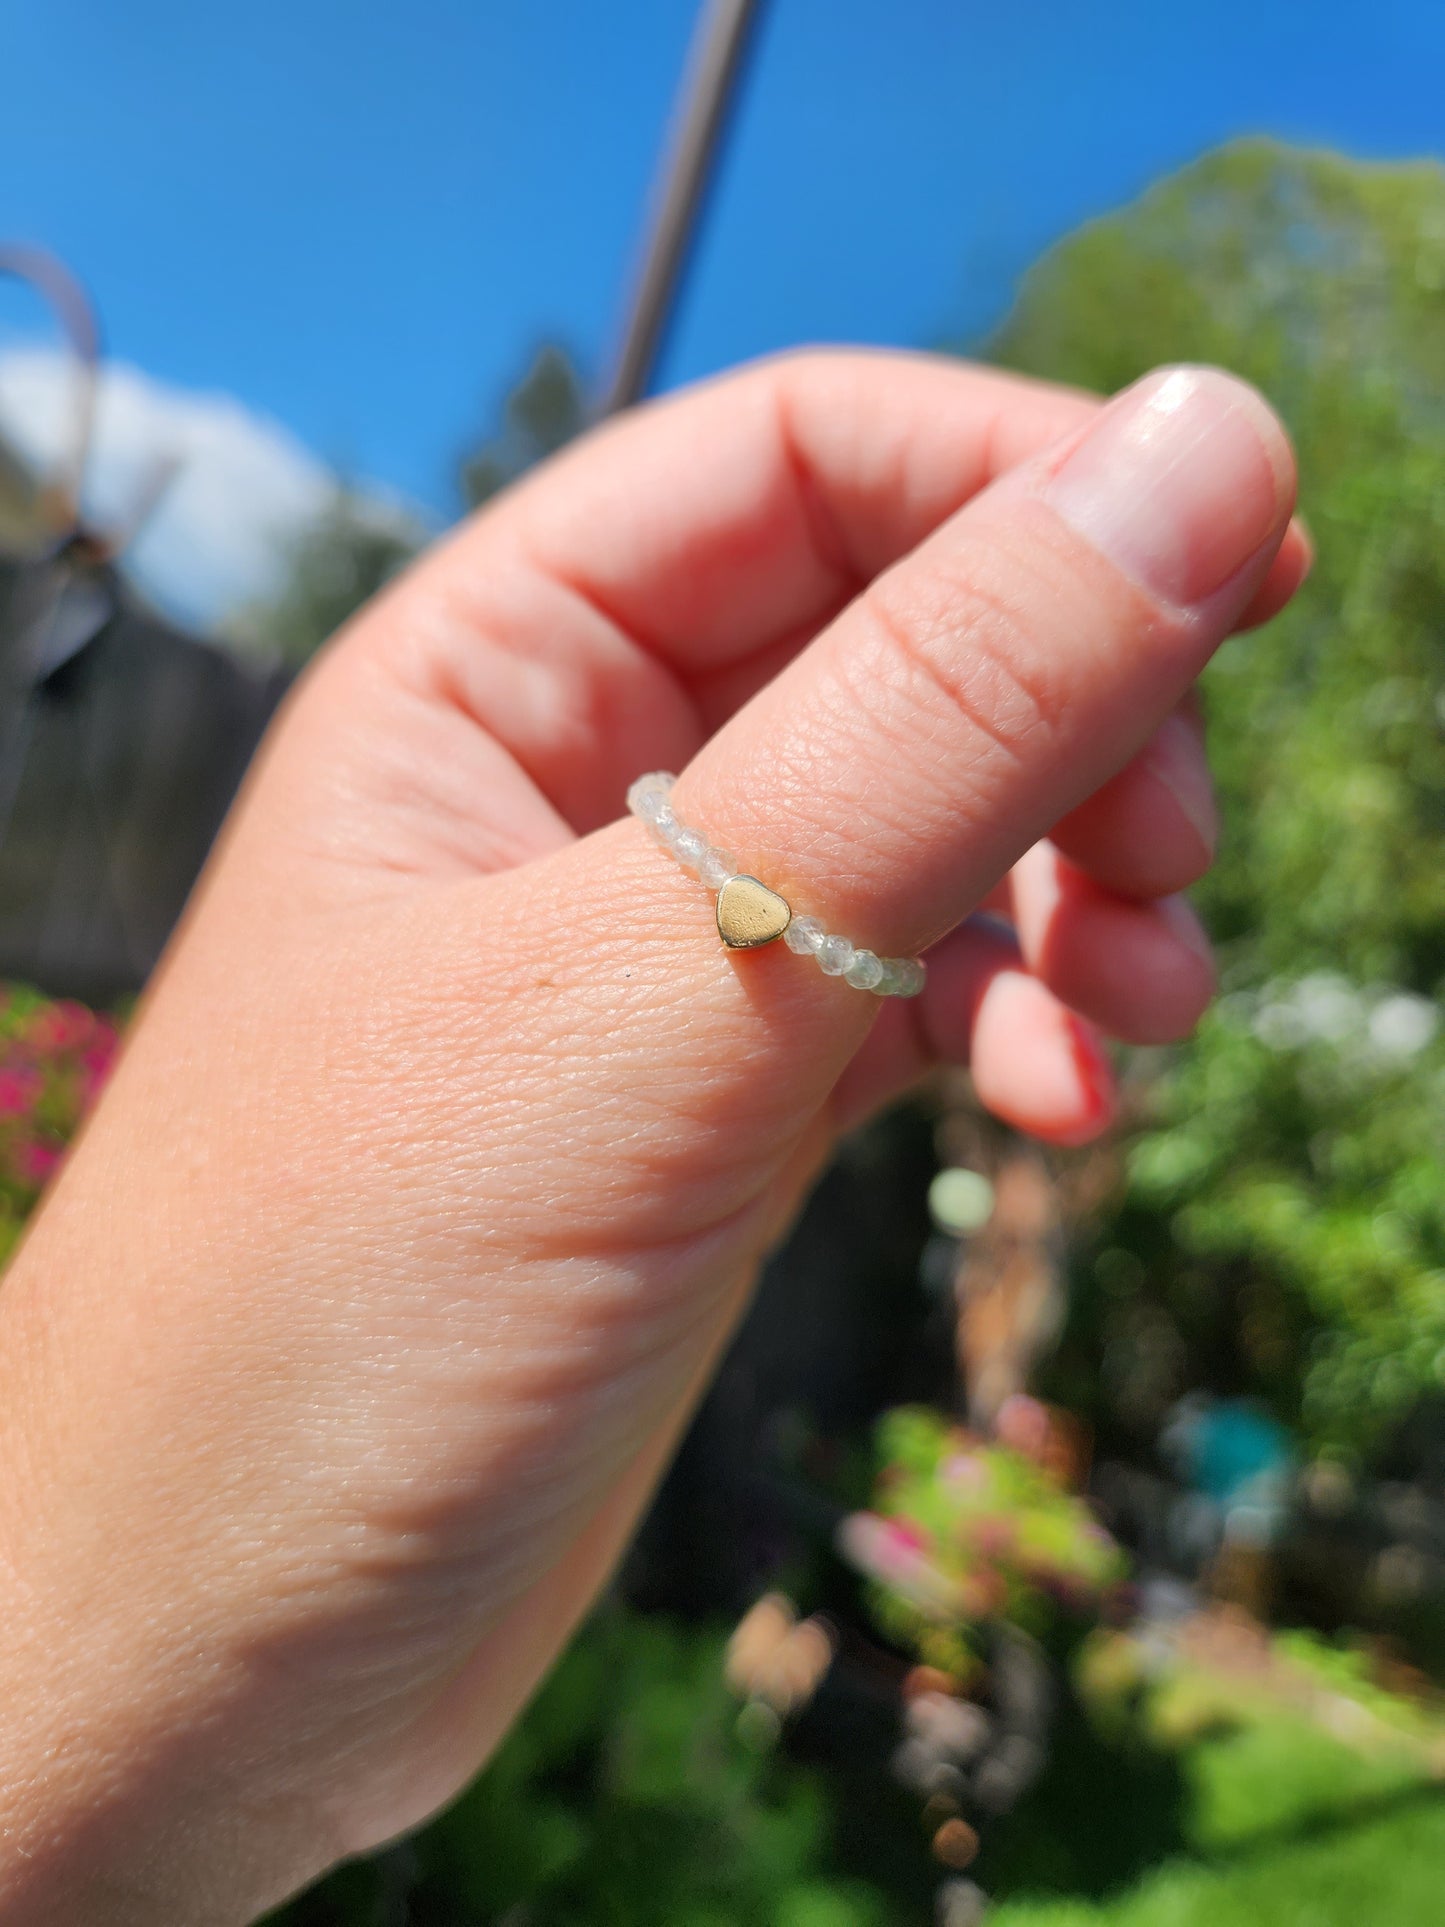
(1182, 479)
(1183, 920)
(1095, 1072)
(1176, 759)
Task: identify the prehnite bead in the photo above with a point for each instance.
(908, 976)
(865, 972)
(647, 793)
(804, 934)
(834, 956)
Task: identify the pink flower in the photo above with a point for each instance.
(965, 1471)
(1023, 1424)
(886, 1548)
(60, 1027)
(19, 1089)
(36, 1163)
(97, 1061)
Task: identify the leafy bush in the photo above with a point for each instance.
(962, 1532)
(625, 1797)
(1282, 1227)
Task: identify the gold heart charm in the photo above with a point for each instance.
(749, 914)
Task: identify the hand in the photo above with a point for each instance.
(335, 1373)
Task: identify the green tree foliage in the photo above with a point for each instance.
(1284, 1216)
(543, 413)
(332, 566)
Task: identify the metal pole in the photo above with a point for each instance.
(707, 92)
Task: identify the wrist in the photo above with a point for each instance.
(127, 1792)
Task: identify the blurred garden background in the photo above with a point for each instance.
(1063, 1541)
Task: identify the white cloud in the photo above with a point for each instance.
(242, 485)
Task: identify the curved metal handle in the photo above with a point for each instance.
(74, 310)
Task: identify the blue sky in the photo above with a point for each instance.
(359, 217)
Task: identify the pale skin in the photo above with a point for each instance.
(339, 1365)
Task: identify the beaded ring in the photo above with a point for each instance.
(750, 915)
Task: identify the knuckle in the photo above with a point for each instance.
(970, 644)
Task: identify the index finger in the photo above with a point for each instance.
(604, 615)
